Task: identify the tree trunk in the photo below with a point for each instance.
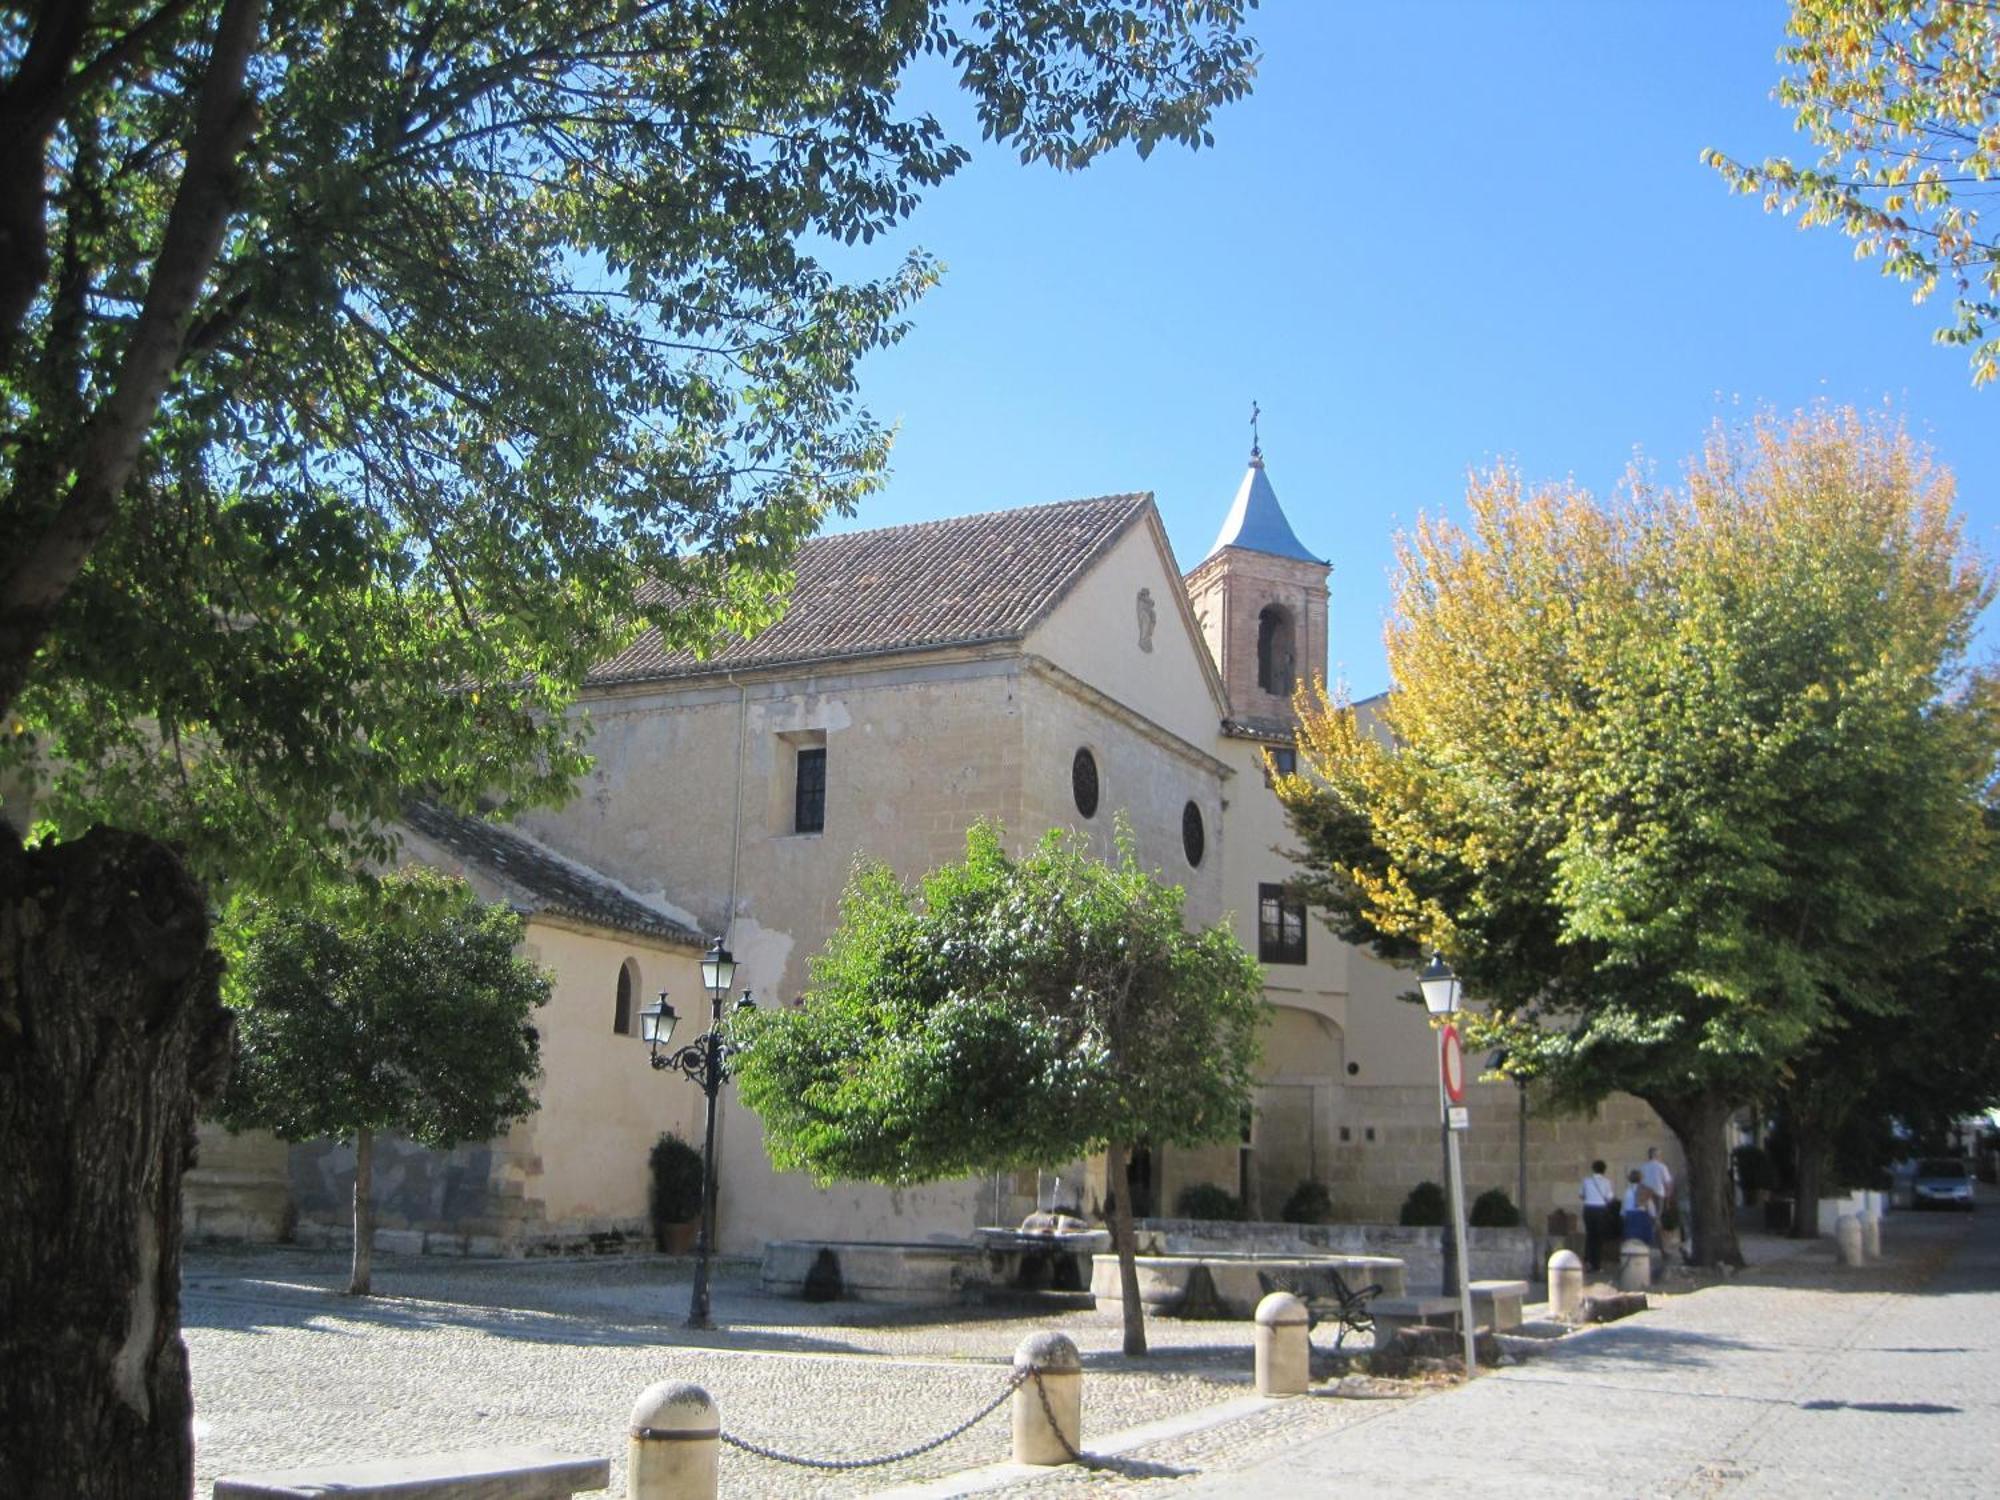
(1700, 1121)
(358, 1276)
(1808, 1173)
(1118, 1161)
(111, 1032)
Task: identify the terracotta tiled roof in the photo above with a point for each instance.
(552, 884)
(965, 581)
(1260, 727)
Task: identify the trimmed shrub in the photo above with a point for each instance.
(1310, 1203)
(675, 1197)
(1425, 1205)
(1204, 1200)
(1493, 1209)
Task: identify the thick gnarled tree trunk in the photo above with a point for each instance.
(111, 1030)
(1700, 1122)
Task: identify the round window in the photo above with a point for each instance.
(1194, 838)
(1083, 782)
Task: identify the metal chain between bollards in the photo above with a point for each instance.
(1013, 1384)
(1076, 1455)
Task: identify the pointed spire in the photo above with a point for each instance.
(1256, 522)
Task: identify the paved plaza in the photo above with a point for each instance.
(1799, 1377)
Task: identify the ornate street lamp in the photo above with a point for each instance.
(1440, 987)
(706, 1061)
(1441, 996)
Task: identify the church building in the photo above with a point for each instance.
(1039, 667)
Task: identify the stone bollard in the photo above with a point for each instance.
(1847, 1236)
(1871, 1233)
(1635, 1266)
(1565, 1284)
(1053, 1358)
(676, 1443)
(1284, 1351)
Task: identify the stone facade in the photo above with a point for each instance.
(928, 677)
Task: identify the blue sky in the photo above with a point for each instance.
(1434, 236)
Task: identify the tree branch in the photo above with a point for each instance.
(34, 586)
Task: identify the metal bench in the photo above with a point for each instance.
(1327, 1298)
(537, 1473)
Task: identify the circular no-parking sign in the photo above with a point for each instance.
(1451, 1062)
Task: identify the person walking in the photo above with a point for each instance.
(1600, 1216)
(1659, 1180)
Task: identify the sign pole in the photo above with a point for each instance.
(1464, 1262)
(1451, 1088)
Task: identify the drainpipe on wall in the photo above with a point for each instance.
(736, 819)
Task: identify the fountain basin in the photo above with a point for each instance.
(1225, 1284)
(932, 1273)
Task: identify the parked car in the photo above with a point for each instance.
(1941, 1182)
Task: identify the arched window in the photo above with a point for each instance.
(621, 1018)
(1274, 649)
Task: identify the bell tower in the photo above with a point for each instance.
(1260, 598)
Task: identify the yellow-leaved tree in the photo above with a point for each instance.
(1902, 98)
(1678, 782)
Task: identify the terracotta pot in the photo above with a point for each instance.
(678, 1239)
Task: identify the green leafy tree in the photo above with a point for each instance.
(1677, 784)
(1931, 1058)
(1007, 1013)
(400, 1007)
(1902, 98)
(366, 374)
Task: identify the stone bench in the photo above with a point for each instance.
(1394, 1314)
(537, 1473)
(1495, 1305)
(1501, 1304)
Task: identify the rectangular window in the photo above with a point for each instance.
(1281, 926)
(1284, 760)
(809, 796)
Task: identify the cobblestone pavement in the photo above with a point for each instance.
(1798, 1378)
(456, 1354)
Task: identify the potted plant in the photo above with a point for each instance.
(674, 1201)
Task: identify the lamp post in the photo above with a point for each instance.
(1441, 994)
(706, 1061)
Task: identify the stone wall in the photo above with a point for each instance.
(237, 1190)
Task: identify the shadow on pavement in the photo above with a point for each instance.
(1134, 1468)
(1631, 1342)
(246, 1308)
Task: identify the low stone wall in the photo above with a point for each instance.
(237, 1191)
(925, 1274)
(1496, 1254)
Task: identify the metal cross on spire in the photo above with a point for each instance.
(1256, 451)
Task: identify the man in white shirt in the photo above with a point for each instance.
(1659, 1177)
(1600, 1216)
